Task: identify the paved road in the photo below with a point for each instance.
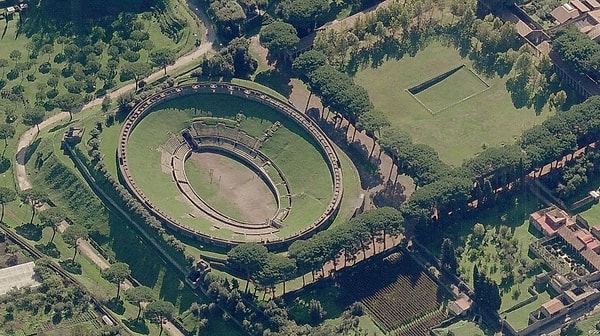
(208, 39)
(23, 181)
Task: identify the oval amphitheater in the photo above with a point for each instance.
(219, 138)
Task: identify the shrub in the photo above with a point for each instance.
(13, 74)
(59, 58)
(45, 67)
(17, 89)
(316, 311)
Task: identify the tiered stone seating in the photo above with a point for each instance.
(173, 143)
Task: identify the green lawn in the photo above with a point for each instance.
(590, 324)
(289, 147)
(459, 132)
(47, 26)
(463, 328)
(591, 214)
(485, 254)
(121, 244)
(460, 85)
(519, 318)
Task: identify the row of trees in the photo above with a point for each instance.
(444, 190)
(232, 18)
(343, 241)
(269, 318)
(337, 90)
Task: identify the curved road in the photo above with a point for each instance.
(208, 39)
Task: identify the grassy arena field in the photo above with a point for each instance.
(458, 132)
(290, 148)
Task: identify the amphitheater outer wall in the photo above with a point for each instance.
(144, 107)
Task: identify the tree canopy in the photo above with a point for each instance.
(249, 258)
(307, 62)
(578, 51)
(116, 273)
(160, 310)
(7, 195)
(279, 37)
(303, 14)
(163, 57)
(486, 290)
(140, 294)
(51, 218)
(34, 116)
(72, 235)
(7, 131)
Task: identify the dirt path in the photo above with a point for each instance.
(23, 144)
(206, 46)
(208, 40)
(23, 181)
(90, 252)
(387, 171)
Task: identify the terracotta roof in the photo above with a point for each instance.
(591, 257)
(564, 13)
(595, 15)
(593, 3)
(580, 6)
(553, 306)
(464, 303)
(584, 243)
(571, 238)
(522, 28)
(460, 305)
(551, 220)
(596, 231)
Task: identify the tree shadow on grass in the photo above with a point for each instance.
(61, 126)
(357, 152)
(71, 266)
(137, 326)
(391, 195)
(116, 306)
(4, 165)
(48, 249)
(276, 80)
(30, 231)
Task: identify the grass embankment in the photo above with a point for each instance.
(117, 239)
(459, 132)
(290, 148)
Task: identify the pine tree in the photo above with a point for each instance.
(449, 256)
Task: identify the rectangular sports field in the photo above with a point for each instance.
(459, 131)
(457, 87)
